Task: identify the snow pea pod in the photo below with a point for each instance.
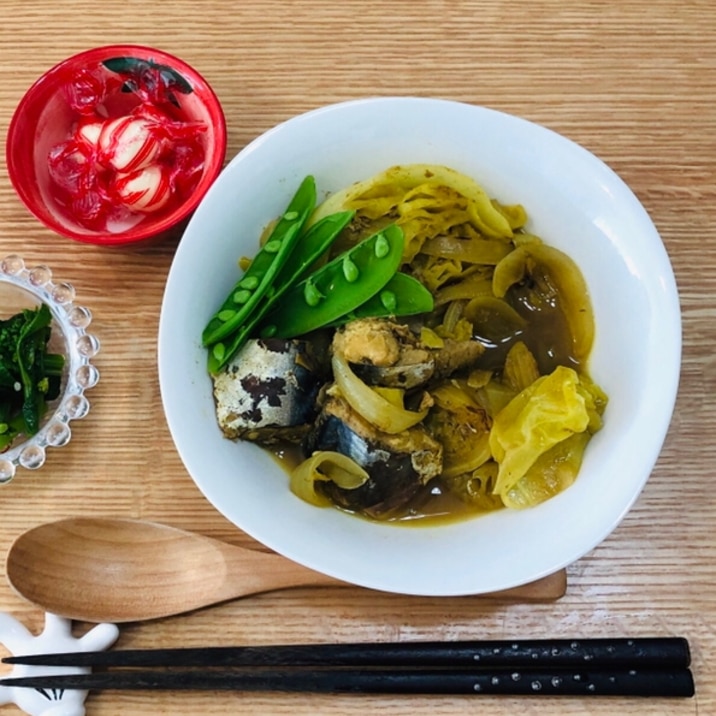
(338, 287)
(311, 246)
(403, 295)
(260, 275)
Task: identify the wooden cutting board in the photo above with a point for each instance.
(549, 588)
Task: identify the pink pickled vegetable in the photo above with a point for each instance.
(130, 153)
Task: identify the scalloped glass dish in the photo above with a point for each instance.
(21, 287)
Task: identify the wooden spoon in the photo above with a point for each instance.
(118, 570)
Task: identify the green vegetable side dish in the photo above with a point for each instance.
(284, 294)
(30, 376)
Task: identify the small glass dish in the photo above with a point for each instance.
(21, 287)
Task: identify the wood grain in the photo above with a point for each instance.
(632, 82)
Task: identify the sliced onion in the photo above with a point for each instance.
(567, 278)
(469, 460)
(371, 405)
(325, 466)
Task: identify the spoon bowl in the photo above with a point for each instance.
(123, 570)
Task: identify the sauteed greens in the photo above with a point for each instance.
(30, 376)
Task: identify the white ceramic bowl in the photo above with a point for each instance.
(575, 202)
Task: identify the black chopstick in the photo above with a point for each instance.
(513, 682)
(636, 653)
(647, 666)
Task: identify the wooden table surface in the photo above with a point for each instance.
(632, 82)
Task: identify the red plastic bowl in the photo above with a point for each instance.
(44, 119)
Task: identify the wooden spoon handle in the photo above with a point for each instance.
(268, 571)
(253, 572)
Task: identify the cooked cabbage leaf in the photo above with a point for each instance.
(552, 472)
(550, 410)
(426, 201)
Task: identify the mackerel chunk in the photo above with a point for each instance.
(267, 392)
(399, 466)
(383, 352)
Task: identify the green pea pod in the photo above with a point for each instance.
(260, 275)
(403, 295)
(338, 287)
(311, 246)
